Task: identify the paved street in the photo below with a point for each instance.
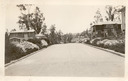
(69, 60)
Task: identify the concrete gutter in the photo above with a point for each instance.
(14, 61)
(108, 50)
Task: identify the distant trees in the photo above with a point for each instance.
(29, 20)
(67, 38)
(84, 33)
(55, 37)
(59, 36)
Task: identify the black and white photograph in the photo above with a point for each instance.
(65, 40)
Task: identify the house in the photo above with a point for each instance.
(105, 29)
(18, 36)
(122, 10)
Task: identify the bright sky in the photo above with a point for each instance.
(69, 18)
(72, 18)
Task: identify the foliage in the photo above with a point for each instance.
(98, 16)
(112, 44)
(30, 20)
(84, 33)
(36, 41)
(52, 35)
(95, 40)
(52, 29)
(27, 45)
(59, 36)
(111, 13)
(44, 28)
(15, 51)
(44, 43)
(55, 37)
(12, 52)
(120, 47)
(67, 38)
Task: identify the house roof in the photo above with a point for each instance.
(105, 23)
(22, 31)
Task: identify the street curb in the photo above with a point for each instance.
(14, 61)
(108, 50)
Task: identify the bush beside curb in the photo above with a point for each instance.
(108, 50)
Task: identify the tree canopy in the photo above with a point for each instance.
(30, 20)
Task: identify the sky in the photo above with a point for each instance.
(67, 18)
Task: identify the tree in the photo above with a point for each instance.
(30, 20)
(24, 19)
(52, 36)
(59, 36)
(110, 10)
(98, 17)
(44, 28)
(37, 20)
(77, 35)
(52, 29)
(70, 36)
(87, 33)
(67, 38)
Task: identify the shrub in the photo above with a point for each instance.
(110, 44)
(113, 44)
(27, 45)
(120, 47)
(116, 45)
(44, 43)
(31, 50)
(36, 41)
(13, 52)
(94, 41)
(87, 41)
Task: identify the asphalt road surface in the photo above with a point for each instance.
(70, 60)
